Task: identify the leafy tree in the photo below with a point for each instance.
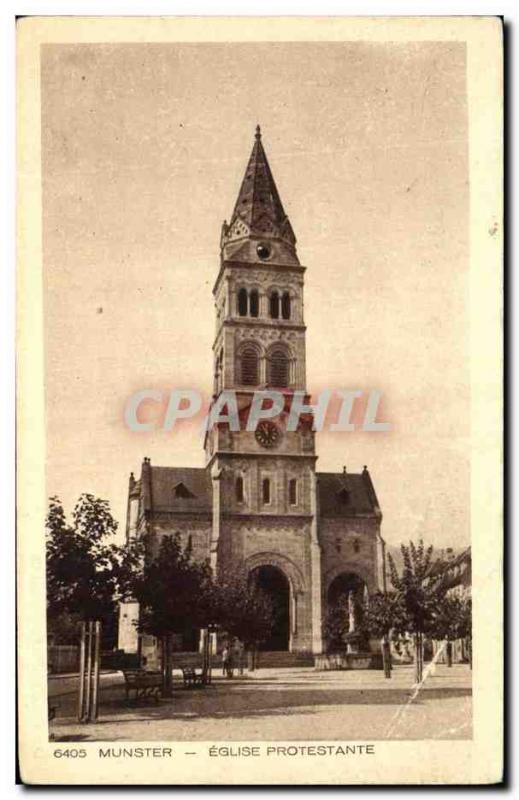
(420, 587)
(242, 609)
(385, 619)
(86, 574)
(452, 620)
(175, 594)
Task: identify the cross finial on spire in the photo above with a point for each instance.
(258, 132)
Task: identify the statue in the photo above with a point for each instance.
(351, 618)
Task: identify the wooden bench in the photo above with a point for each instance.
(143, 684)
(192, 677)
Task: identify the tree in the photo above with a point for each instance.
(385, 618)
(421, 590)
(452, 620)
(174, 593)
(86, 576)
(242, 609)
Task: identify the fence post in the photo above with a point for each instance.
(81, 696)
(97, 652)
(88, 677)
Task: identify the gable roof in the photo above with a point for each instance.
(361, 495)
(195, 493)
(159, 485)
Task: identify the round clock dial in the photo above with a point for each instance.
(263, 250)
(268, 434)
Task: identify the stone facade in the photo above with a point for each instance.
(260, 503)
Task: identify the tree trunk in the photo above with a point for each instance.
(418, 654)
(253, 658)
(386, 657)
(167, 666)
(449, 654)
(206, 656)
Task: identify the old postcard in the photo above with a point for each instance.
(259, 400)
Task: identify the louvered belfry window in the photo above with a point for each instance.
(243, 302)
(274, 305)
(254, 303)
(249, 367)
(278, 368)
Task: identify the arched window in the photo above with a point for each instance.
(292, 492)
(285, 305)
(265, 490)
(254, 303)
(242, 302)
(249, 366)
(274, 305)
(239, 489)
(278, 368)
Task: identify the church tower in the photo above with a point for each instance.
(308, 539)
(264, 491)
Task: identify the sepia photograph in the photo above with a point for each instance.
(256, 365)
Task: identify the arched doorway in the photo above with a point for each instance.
(274, 583)
(345, 605)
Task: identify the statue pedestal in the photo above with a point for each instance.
(352, 642)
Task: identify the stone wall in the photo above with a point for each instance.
(340, 538)
(194, 528)
(282, 543)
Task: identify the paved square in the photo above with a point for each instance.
(288, 704)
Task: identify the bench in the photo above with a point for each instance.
(192, 677)
(143, 684)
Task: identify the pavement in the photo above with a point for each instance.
(278, 704)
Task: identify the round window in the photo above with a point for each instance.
(263, 251)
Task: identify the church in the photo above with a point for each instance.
(307, 538)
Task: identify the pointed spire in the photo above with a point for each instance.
(258, 213)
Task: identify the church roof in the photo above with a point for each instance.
(259, 212)
(348, 494)
(179, 489)
(189, 489)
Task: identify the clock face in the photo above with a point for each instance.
(263, 250)
(268, 434)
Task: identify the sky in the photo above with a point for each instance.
(143, 151)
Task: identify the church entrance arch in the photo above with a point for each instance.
(273, 583)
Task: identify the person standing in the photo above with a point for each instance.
(225, 660)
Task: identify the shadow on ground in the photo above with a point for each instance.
(239, 701)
